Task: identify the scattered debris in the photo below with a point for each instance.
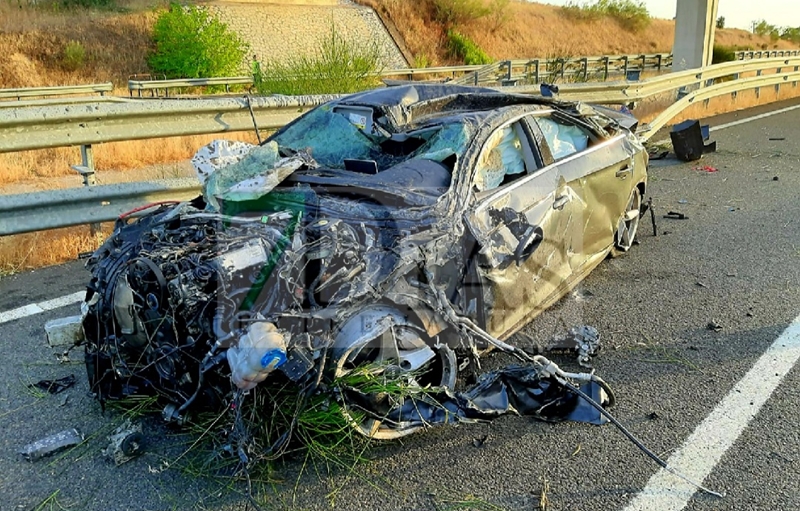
(479, 441)
(583, 340)
(700, 284)
(51, 444)
(683, 201)
(126, 443)
(577, 450)
(675, 215)
(777, 139)
(706, 168)
(658, 155)
(653, 416)
(648, 206)
(582, 295)
(734, 208)
(776, 178)
(713, 325)
(544, 503)
(55, 386)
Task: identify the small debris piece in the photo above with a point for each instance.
(85, 255)
(713, 325)
(676, 215)
(775, 178)
(55, 386)
(479, 441)
(126, 443)
(51, 444)
(582, 295)
(585, 340)
(777, 139)
(653, 416)
(64, 331)
(700, 284)
(656, 155)
(706, 168)
(683, 201)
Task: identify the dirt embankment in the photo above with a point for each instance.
(539, 30)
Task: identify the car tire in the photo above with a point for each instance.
(628, 224)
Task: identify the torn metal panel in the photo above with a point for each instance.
(402, 229)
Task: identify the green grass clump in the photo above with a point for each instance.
(465, 49)
(340, 65)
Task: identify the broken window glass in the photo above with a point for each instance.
(502, 156)
(563, 139)
(329, 137)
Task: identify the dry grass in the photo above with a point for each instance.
(538, 30)
(34, 250)
(33, 39)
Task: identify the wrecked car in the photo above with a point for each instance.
(407, 229)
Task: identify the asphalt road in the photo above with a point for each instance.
(734, 260)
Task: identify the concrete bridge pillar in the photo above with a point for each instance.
(695, 23)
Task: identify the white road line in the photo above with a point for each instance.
(754, 118)
(36, 308)
(701, 452)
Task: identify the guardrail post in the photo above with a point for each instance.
(508, 72)
(758, 89)
(536, 71)
(644, 62)
(605, 68)
(585, 66)
(658, 62)
(777, 85)
(794, 83)
(625, 65)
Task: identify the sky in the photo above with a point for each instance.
(738, 13)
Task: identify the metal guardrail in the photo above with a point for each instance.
(155, 85)
(42, 126)
(38, 211)
(507, 72)
(92, 88)
(765, 54)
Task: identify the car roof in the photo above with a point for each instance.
(413, 105)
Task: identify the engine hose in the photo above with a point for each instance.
(638, 443)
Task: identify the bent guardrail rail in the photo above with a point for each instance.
(44, 125)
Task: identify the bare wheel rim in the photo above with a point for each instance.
(442, 371)
(629, 223)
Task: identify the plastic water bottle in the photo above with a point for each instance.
(261, 350)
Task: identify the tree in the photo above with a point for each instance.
(191, 43)
(721, 22)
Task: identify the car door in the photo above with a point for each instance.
(599, 178)
(519, 224)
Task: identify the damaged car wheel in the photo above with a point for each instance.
(628, 223)
(379, 356)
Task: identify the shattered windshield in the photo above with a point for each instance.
(331, 137)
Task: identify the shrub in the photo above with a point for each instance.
(102, 4)
(339, 66)
(191, 43)
(458, 12)
(632, 15)
(762, 28)
(73, 56)
(791, 34)
(722, 54)
(721, 22)
(464, 48)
